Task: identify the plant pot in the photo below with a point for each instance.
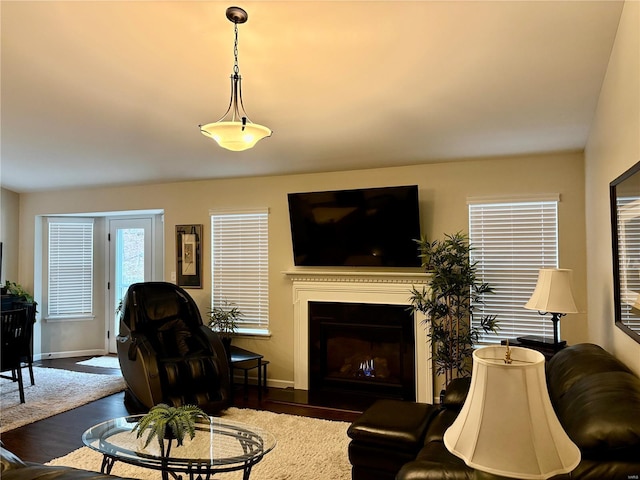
(226, 343)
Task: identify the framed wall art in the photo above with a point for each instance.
(189, 256)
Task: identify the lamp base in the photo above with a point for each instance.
(539, 341)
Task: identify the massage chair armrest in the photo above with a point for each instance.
(139, 365)
(216, 346)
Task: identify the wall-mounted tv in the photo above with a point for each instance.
(372, 227)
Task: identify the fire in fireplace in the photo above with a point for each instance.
(361, 349)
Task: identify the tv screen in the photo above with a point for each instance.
(373, 227)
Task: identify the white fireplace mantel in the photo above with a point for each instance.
(388, 288)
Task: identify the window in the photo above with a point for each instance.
(510, 242)
(240, 266)
(629, 251)
(70, 268)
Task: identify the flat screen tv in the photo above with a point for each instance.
(372, 227)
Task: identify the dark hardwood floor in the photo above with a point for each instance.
(61, 434)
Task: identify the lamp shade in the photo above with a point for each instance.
(553, 292)
(507, 425)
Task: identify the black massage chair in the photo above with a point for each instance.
(167, 355)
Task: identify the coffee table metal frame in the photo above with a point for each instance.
(254, 442)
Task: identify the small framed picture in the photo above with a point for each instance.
(189, 256)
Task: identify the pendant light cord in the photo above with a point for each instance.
(236, 69)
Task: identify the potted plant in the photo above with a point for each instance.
(224, 320)
(169, 423)
(449, 302)
(18, 292)
(19, 298)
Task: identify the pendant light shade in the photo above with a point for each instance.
(234, 131)
(234, 136)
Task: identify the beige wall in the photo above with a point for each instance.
(9, 212)
(613, 147)
(443, 190)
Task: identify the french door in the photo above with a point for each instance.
(130, 261)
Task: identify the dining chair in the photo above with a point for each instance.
(26, 358)
(14, 335)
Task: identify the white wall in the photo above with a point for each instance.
(443, 190)
(613, 147)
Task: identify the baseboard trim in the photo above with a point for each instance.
(69, 354)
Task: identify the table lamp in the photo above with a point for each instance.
(507, 426)
(552, 295)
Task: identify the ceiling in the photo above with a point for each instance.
(111, 93)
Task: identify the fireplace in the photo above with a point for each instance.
(356, 287)
(362, 349)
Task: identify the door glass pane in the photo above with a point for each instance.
(129, 260)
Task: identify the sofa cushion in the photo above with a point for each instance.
(440, 423)
(600, 413)
(46, 472)
(434, 462)
(13, 468)
(375, 458)
(578, 361)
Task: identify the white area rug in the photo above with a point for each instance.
(106, 361)
(55, 391)
(307, 449)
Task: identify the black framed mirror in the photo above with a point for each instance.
(625, 234)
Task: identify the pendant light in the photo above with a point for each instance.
(234, 131)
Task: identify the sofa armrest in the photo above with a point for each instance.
(456, 393)
(9, 461)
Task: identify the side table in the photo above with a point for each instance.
(246, 360)
(545, 348)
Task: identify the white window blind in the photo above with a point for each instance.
(510, 242)
(629, 251)
(70, 268)
(240, 267)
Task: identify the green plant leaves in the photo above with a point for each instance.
(164, 422)
(224, 319)
(449, 303)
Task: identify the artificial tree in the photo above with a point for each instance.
(448, 302)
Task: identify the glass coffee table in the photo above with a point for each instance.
(219, 446)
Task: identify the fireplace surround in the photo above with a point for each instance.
(377, 287)
(361, 349)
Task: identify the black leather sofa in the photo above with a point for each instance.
(13, 468)
(595, 396)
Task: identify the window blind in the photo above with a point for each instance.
(510, 242)
(629, 251)
(239, 257)
(70, 269)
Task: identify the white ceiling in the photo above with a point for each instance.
(112, 93)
